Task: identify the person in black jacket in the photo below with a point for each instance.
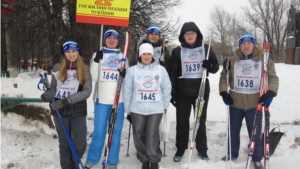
(71, 85)
(185, 70)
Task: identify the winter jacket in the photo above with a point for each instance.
(189, 86)
(134, 58)
(104, 91)
(131, 104)
(247, 101)
(78, 104)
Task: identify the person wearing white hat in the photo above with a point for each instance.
(147, 93)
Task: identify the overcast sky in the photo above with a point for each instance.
(198, 10)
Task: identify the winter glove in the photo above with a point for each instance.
(227, 99)
(59, 104)
(129, 118)
(48, 95)
(225, 65)
(98, 57)
(207, 64)
(122, 72)
(267, 98)
(173, 100)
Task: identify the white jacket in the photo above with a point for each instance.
(104, 91)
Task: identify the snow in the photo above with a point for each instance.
(31, 144)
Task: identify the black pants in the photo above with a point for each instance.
(146, 136)
(77, 130)
(183, 111)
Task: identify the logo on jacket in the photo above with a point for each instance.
(256, 65)
(156, 77)
(201, 50)
(247, 69)
(148, 81)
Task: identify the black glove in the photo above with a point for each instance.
(207, 64)
(59, 104)
(129, 118)
(48, 95)
(173, 100)
(122, 72)
(98, 57)
(227, 99)
(225, 65)
(267, 98)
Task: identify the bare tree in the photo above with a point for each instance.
(270, 17)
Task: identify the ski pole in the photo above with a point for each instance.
(165, 155)
(44, 81)
(127, 155)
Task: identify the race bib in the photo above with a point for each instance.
(69, 87)
(191, 62)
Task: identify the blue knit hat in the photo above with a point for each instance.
(153, 29)
(247, 38)
(111, 32)
(70, 45)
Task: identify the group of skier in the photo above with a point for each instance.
(152, 80)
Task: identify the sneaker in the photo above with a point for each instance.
(228, 158)
(112, 166)
(258, 165)
(146, 165)
(154, 166)
(203, 156)
(178, 155)
(88, 165)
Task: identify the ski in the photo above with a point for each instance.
(198, 109)
(114, 111)
(259, 109)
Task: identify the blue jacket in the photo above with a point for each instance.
(129, 92)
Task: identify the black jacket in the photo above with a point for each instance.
(186, 86)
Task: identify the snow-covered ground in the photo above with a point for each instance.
(31, 144)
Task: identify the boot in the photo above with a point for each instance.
(178, 155)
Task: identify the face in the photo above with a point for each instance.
(71, 55)
(247, 47)
(190, 37)
(153, 37)
(146, 58)
(111, 42)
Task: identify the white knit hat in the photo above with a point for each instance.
(145, 48)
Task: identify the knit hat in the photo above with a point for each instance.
(145, 48)
(153, 29)
(111, 32)
(247, 38)
(70, 45)
(190, 31)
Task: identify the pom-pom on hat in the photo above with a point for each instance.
(145, 48)
(153, 29)
(111, 32)
(247, 38)
(70, 45)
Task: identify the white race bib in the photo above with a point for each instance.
(148, 86)
(69, 87)
(109, 67)
(247, 76)
(191, 62)
(157, 54)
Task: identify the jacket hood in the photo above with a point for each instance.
(190, 26)
(256, 54)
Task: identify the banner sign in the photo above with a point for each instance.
(106, 12)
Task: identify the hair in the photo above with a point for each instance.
(81, 70)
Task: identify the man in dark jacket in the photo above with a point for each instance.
(185, 70)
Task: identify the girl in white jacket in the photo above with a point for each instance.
(105, 72)
(147, 93)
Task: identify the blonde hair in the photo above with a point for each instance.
(82, 76)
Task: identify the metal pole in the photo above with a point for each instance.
(127, 155)
(101, 36)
